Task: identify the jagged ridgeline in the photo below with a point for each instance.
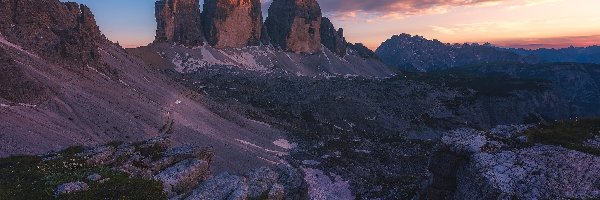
(291, 25)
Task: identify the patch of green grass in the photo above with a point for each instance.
(568, 134)
(31, 177)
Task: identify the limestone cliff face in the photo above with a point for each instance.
(233, 23)
(178, 21)
(333, 39)
(61, 32)
(294, 25)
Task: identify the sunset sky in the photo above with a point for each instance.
(511, 23)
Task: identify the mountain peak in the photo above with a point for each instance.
(55, 30)
(294, 25)
(178, 21)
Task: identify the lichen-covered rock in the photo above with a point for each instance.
(223, 186)
(60, 32)
(294, 25)
(333, 39)
(539, 172)
(178, 21)
(72, 187)
(183, 176)
(232, 23)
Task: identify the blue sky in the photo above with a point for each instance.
(130, 22)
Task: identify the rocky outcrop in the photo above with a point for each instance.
(294, 25)
(489, 165)
(178, 21)
(224, 186)
(61, 32)
(182, 176)
(333, 39)
(232, 23)
(539, 172)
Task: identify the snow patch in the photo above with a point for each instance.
(27, 105)
(278, 153)
(4, 105)
(261, 123)
(284, 144)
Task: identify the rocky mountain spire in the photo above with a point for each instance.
(332, 39)
(294, 25)
(58, 31)
(232, 23)
(179, 21)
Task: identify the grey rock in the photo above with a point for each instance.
(71, 187)
(465, 140)
(261, 181)
(183, 176)
(223, 186)
(94, 177)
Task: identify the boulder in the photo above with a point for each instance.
(232, 23)
(71, 187)
(294, 25)
(178, 21)
(183, 176)
(223, 186)
(94, 177)
(333, 39)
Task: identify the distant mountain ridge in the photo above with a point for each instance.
(589, 54)
(416, 53)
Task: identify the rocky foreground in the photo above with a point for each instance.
(181, 172)
(502, 164)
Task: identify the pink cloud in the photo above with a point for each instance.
(396, 7)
